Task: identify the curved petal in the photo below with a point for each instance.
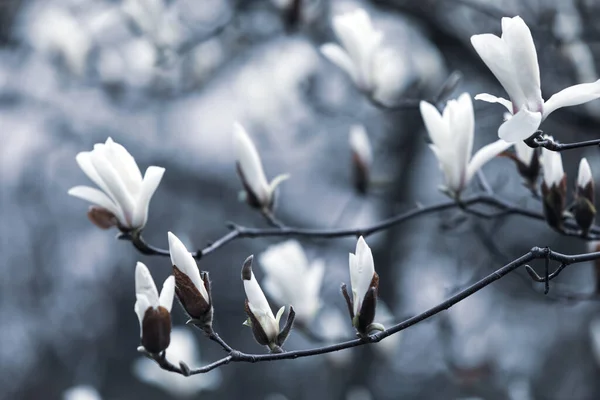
(167, 293)
(182, 258)
(256, 297)
(84, 160)
(493, 99)
(524, 152)
(250, 164)
(584, 174)
(361, 273)
(99, 198)
(438, 129)
(125, 165)
(521, 126)
(523, 58)
(552, 167)
(340, 57)
(145, 292)
(572, 96)
(483, 155)
(494, 54)
(152, 179)
(462, 126)
(451, 167)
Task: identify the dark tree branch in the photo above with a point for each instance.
(535, 253)
(539, 141)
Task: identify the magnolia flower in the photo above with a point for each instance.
(333, 327)
(452, 142)
(364, 281)
(259, 193)
(82, 392)
(292, 280)
(362, 156)
(513, 60)
(360, 55)
(554, 187)
(154, 312)
(265, 326)
(183, 347)
(125, 196)
(583, 207)
(191, 287)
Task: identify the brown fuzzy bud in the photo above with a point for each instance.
(194, 304)
(156, 330)
(101, 217)
(554, 199)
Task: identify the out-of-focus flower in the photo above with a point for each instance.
(192, 288)
(184, 348)
(333, 329)
(81, 392)
(259, 193)
(527, 160)
(388, 347)
(265, 326)
(364, 281)
(156, 20)
(154, 312)
(361, 54)
(56, 31)
(583, 208)
(452, 142)
(554, 187)
(512, 58)
(595, 338)
(292, 280)
(125, 196)
(362, 157)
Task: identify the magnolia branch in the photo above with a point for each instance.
(501, 208)
(535, 253)
(548, 143)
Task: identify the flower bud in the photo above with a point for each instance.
(154, 312)
(191, 286)
(362, 157)
(583, 207)
(527, 160)
(554, 188)
(102, 218)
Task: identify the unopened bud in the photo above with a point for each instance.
(366, 315)
(101, 217)
(554, 200)
(583, 208)
(156, 330)
(362, 157)
(193, 302)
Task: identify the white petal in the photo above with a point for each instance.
(278, 316)
(521, 126)
(493, 99)
(523, 58)
(84, 159)
(524, 152)
(462, 128)
(250, 164)
(276, 182)
(494, 54)
(485, 154)
(113, 181)
(584, 176)
(339, 57)
(97, 197)
(145, 292)
(182, 258)
(362, 269)
(360, 144)
(452, 168)
(553, 167)
(438, 129)
(125, 164)
(256, 297)
(81, 392)
(152, 179)
(167, 292)
(572, 96)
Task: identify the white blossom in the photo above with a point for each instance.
(512, 58)
(361, 54)
(362, 271)
(584, 175)
(259, 306)
(81, 392)
(124, 193)
(291, 279)
(452, 142)
(184, 348)
(553, 167)
(524, 153)
(260, 193)
(360, 144)
(183, 260)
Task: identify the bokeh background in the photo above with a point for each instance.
(168, 86)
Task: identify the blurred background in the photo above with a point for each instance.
(167, 79)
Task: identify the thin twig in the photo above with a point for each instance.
(547, 143)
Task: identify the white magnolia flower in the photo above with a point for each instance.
(191, 288)
(362, 156)
(334, 328)
(360, 55)
(512, 58)
(184, 348)
(259, 192)
(584, 175)
(362, 272)
(153, 311)
(452, 142)
(124, 193)
(82, 392)
(258, 309)
(553, 167)
(292, 280)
